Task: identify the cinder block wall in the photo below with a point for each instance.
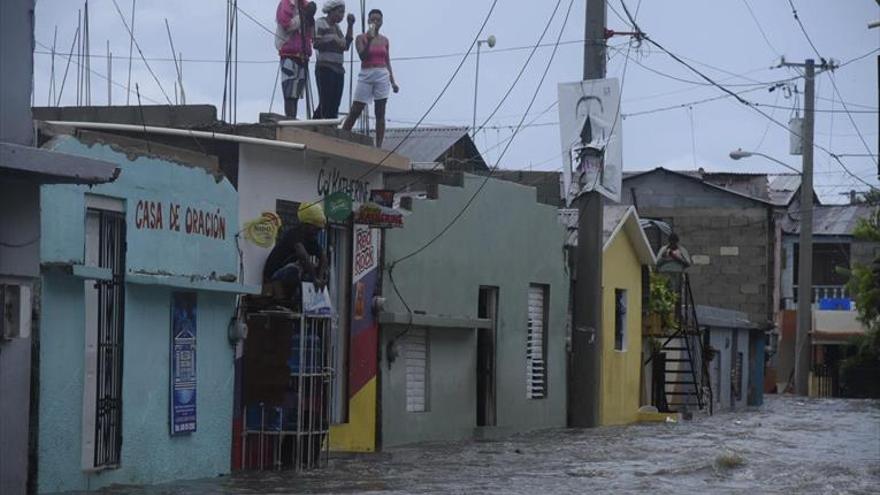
(729, 237)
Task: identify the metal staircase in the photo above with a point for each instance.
(681, 375)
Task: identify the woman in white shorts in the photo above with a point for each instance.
(376, 80)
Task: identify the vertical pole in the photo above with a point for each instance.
(585, 388)
(805, 262)
(130, 52)
(476, 89)
(109, 75)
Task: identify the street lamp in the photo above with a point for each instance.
(739, 154)
(491, 40)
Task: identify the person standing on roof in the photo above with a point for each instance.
(329, 69)
(293, 39)
(376, 79)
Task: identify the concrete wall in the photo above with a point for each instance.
(149, 453)
(729, 342)
(268, 174)
(19, 224)
(17, 67)
(506, 240)
(730, 239)
(452, 389)
(621, 370)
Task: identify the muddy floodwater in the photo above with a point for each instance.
(789, 445)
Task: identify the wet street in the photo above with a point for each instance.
(788, 446)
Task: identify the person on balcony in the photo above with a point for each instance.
(293, 39)
(673, 257)
(331, 46)
(376, 79)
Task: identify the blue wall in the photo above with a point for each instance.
(149, 453)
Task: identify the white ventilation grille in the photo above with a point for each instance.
(536, 367)
(415, 355)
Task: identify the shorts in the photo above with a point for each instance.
(373, 84)
(294, 77)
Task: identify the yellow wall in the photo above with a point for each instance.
(621, 370)
(359, 434)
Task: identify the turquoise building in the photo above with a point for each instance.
(139, 284)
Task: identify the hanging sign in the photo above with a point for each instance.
(589, 127)
(337, 207)
(264, 230)
(378, 217)
(382, 197)
(183, 363)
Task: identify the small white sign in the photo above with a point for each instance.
(314, 302)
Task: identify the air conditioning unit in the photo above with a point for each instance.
(15, 311)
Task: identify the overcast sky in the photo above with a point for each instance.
(719, 37)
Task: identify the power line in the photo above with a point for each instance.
(833, 80)
(749, 104)
(761, 29)
(492, 171)
(510, 90)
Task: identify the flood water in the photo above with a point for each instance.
(790, 445)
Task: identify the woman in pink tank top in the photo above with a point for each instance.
(376, 79)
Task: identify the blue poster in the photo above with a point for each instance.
(183, 363)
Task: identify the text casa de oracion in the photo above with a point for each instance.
(150, 215)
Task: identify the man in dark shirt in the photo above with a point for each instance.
(291, 260)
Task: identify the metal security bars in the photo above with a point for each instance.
(536, 343)
(111, 311)
(294, 433)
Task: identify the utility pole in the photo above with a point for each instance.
(803, 342)
(586, 340)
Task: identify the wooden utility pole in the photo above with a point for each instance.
(803, 346)
(586, 339)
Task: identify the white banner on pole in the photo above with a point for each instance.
(592, 148)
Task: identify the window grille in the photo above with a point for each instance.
(536, 343)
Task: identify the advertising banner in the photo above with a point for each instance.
(183, 363)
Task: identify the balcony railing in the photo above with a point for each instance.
(819, 292)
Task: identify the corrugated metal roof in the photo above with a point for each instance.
(783, 187)
(723, 318)
(778, 189)
(830, 220)
(425, 144)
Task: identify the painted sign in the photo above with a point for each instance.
(264, 230)
(382, 197)
(589, 127)
(337, 207)
(150, 215)
(378, 216)
(183, 363)
(333, 181)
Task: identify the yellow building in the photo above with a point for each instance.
(626, 253)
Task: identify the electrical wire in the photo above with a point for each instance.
(761, 29)
(748, 104)
(467, 205)
(833, 81)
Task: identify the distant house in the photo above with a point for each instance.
(474, 325)
(736, 362)
(730, 235)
